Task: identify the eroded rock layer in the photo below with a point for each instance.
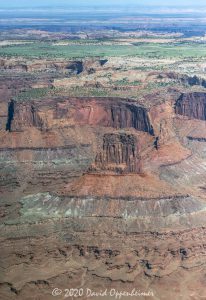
(21, 116)
(112, 112)
(102, 193)
(119, 153)
(59, 66)
(192, 105)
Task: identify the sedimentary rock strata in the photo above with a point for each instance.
(102, 192)
(62, 66)
(21, 116)
(112, 112)
(119, 153)
(192, 105)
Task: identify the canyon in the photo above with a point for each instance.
(102, 160)
(87, 188)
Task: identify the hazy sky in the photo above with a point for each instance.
(29, 3)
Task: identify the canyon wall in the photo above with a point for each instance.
(70, 67)
(192, 105)
(106, 112)
(87, 199)
(21, 115)
(119, 153)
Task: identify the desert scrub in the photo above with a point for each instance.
(38, 93)
(126, 82)
(79, 50)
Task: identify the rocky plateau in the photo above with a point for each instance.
(100, 192)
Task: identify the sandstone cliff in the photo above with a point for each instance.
(119, 154)
(192, 105)
(21, 116)
(107, 112)
(102, 192)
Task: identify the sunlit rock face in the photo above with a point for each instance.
(106, 112)
(102, 192)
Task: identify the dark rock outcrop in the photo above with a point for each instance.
(103, 61)
(76, 67)
(192, 105)
(183, 78)
(119, 153)
(71, 67)
(23, 115)
(10, 115)
(129, 115)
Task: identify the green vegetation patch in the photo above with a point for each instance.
(79, 50)
(38, 93)
(126, 82)
(33, 93)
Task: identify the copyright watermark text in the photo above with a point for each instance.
(89, 293)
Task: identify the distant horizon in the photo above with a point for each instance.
(9, 4)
